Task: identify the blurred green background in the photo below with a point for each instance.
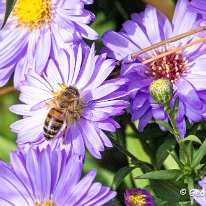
(110, 14)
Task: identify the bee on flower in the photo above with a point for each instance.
(71, 102)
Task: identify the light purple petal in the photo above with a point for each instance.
(151, 23)
(118, 44)
(188, 93)
(144, 120)
(81, 188)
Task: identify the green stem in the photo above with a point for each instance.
(134, 160)
(172, 117)
(174, 126)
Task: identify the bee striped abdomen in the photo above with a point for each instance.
(53, 123)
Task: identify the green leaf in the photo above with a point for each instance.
(191, 185)
(142, 183)
(167, 191)
(190, 151)
(180, 177)
(170, 163)
(166, 125)
(177, 160)
(192, 138)
(160, 202)
(161, 175)
(120, 175)
(9, 6)
(6, 146)
(198, 167)
(184, 155)
(199, 154)
(164, 150)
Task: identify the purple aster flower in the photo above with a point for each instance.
(200, 195)
(36, 30)
(94, 102)
(185, 68)
(49, 178)
(198, 6)
(138, 197)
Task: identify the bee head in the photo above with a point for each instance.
(72, 90)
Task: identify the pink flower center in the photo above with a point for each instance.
(170, 67)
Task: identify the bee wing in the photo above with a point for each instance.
(41, 104)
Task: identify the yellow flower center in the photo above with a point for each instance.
(137, 200)
(50, 203)
(32, 13)
(44, 204)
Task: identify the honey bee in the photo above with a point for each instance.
(65, 109)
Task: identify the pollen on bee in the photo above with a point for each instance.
(55, 93)
(49, 105)
(62, 87)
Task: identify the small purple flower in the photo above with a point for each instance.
(36, 30)
(98, 101)
(185, 69)
(200, 195)
(138, 197)
(49, 177)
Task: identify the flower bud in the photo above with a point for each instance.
(161, 91)
(187, 170)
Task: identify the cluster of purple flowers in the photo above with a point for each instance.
(42, 43)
